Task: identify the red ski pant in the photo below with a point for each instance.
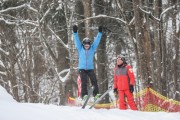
(130, 100)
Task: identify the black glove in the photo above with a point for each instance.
(75, 28)
(115, 91)
(100, 28)
(131, 88)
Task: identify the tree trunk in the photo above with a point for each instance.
(141, 63)
(176, 54)
(101, 53)
(87, 13)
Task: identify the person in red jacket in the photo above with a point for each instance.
(124, 83)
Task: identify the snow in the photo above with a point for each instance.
(4, 52)
(3, 73)
(161, 15)
(63, 79)
(2, 64)
(105, 16)
(11, 110)
(18, 7)
(5, 97)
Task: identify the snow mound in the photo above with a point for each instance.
(5, 96)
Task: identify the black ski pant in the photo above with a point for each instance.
(84, 74)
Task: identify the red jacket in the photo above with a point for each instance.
(123, 77)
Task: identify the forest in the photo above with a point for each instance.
(38, 58)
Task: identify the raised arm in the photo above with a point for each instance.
(76, 38)
(97, 39)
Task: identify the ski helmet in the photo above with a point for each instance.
(86, 41)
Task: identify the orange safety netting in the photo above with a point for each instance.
(146, 100)
(75, 102)
(149, 100)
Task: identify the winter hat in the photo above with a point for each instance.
(122, 58)
(86, 41)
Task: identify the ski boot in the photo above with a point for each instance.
(85, 97)
(97, 96)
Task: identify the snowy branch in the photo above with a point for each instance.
(166, 10)
(47, 12)
(30, 22)
(149, 13)
(19, 7)
(31, 89)
(3, 73)
(17, 22)
(3, 81)
(7, 21)
(58, 38)
(4, 52)
(131, 22)
(161, 15)
(63, 79)
(2, 64)
(32, 9)
(104, 16)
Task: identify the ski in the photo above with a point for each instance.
(102, 96)
(89, 95)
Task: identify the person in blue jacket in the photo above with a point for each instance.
(86, 52)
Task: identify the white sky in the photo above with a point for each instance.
(11, 110)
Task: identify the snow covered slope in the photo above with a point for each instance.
(4, 96)
(11, 110)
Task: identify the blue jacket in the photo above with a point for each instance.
(86, 57)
